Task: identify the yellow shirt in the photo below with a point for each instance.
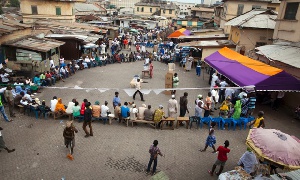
(257, 122)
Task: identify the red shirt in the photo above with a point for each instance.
(222, 156)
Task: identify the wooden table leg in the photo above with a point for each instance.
(173, 126)
(177, 123)
(187, 124)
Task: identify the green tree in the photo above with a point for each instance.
(14, 3)
(1, 11)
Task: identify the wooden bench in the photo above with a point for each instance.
(183, 119)
(104, 119)
(21, 108)
(151, 123)
(59, 115)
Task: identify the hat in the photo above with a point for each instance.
(133, 105)
(200, 96)
(144, 105)
(245, 95)
(160, 106)
(37, 100)
(97, 102)
(173, 96)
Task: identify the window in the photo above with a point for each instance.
(291, 11)
(240, 9)
(34, 9)
(164, 11)
(151, 10)
(255, 7)
(58, 11)
(142, 9)
(156, 9)
(138, 9)
(170, 11)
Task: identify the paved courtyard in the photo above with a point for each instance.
(116, 151)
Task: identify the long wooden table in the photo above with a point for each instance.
(183, 119)
(164, 121)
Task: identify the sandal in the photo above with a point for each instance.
(202, 150)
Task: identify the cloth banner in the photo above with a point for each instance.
(145, 91)
(129, 92)
(157, 91)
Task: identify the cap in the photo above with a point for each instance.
(200, 96)
(97, 102)
(160, 106)
(173, 96)
(133, 105)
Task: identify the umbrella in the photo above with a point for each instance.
(276, 147)
(134, 30)
(185, 31)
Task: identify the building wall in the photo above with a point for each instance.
(231, 10)
(167, 14)
(124, 3)
(146, 11)
(47, 10)
(274, 6)
(15, 35)
(185, 8)
(249, 37)
(202, 14)
(288, 30)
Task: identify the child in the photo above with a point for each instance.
(154, 152)
(211, 139)
(69, 135)
(198, 69)
(222, 158)
(259, 121)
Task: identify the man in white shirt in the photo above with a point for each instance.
(61, 61)
(53, 103)
(70, 106)
(171, 45)
(104, 109)
(4, 77)
(228, 92)
(138, 88)
(133, 112)
(51, 63)
(223, 84)
(172, 107)
(215, 98)
(213, 80)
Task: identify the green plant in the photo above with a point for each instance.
(14, 3)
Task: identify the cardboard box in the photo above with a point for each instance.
(171, 72)
(171, 66)
(169, 78)
(168, 86)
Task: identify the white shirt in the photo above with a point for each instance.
(51, 63)
(223, 84)
(4, 77)
(214, 93)
(18, 84)
(171, 43)
(87, 59)
(229, 92)
(69, 109)
(23, 102)
(133, 112)
(53, 103)
(213, 80)
(27, 96)
(138, 85)
(104, 110)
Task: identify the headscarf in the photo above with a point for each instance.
(60, 106)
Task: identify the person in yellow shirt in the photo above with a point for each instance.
(259, 121)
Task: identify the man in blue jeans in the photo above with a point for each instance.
(154, 152)
(3, 111)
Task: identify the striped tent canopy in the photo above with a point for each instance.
(245, 71)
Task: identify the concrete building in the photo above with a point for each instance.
(59, 10)
(168, 10)
(82, 9)
(201, 12)
(233, 8)
(185, 8)
(119, 4)
(252, 29)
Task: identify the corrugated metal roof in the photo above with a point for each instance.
(81, 7)
(256, 18)
(36, 44)
(86, 39)
(292, 175)
(202, 9)
(286, 54)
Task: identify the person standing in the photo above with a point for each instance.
(172, 107)
(116, 99)
(2, 143)
(154, 152)
(151, 69)
(138, 88)
(222, 158)
(69, 135)
(2, 110)
(183, 104)
(175, 82)
(207, 105)
(237, 109)
(199, 106)
(87, 120)
(10, 100)
(198, 69)
(211, 138)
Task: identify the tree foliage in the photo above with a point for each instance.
(14, 3)
(1, 11)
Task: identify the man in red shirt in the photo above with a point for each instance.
(222, 158)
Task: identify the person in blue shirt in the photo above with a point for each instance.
(116, 99)
(125, 111)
